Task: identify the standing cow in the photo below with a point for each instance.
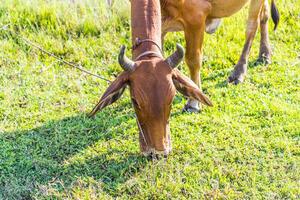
(194, 17)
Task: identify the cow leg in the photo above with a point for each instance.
(194, 40)
(265, 49)
(240, 69)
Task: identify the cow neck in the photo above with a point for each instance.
(146, 27)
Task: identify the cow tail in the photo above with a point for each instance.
(275, 14)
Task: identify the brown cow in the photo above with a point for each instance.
(152, 80)
(194, 17)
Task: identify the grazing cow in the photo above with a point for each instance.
(152, 80)
(194, 17)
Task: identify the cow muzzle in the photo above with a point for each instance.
(155, 144)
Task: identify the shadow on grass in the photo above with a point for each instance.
(214, 76)
(224, 75)
(257, 63)
(37, 157)
(220, 74)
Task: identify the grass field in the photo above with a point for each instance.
(245, 147)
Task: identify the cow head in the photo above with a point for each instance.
(152, 83)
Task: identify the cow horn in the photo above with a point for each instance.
(125, 62)
(174, 59)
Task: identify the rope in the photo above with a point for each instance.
(148, 53)
(30, 43)
(138, 42)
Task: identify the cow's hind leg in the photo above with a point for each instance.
(240, 70)
(265, 49)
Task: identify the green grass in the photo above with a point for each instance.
(245, 147)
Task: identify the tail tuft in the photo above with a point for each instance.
(275, 14)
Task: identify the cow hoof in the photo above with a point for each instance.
(265, 60)
(238, 74)
(235, 79)
(192, 106)
(212, 25)
(187, 108)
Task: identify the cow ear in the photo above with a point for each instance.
(112, 93)
(188, 88)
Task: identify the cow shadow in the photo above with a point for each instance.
(219, 74)
(224, 74)
(57, 150)
(257, 63)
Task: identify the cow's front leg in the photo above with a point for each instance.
(240, 69)
(194, 40)
(265, 49)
